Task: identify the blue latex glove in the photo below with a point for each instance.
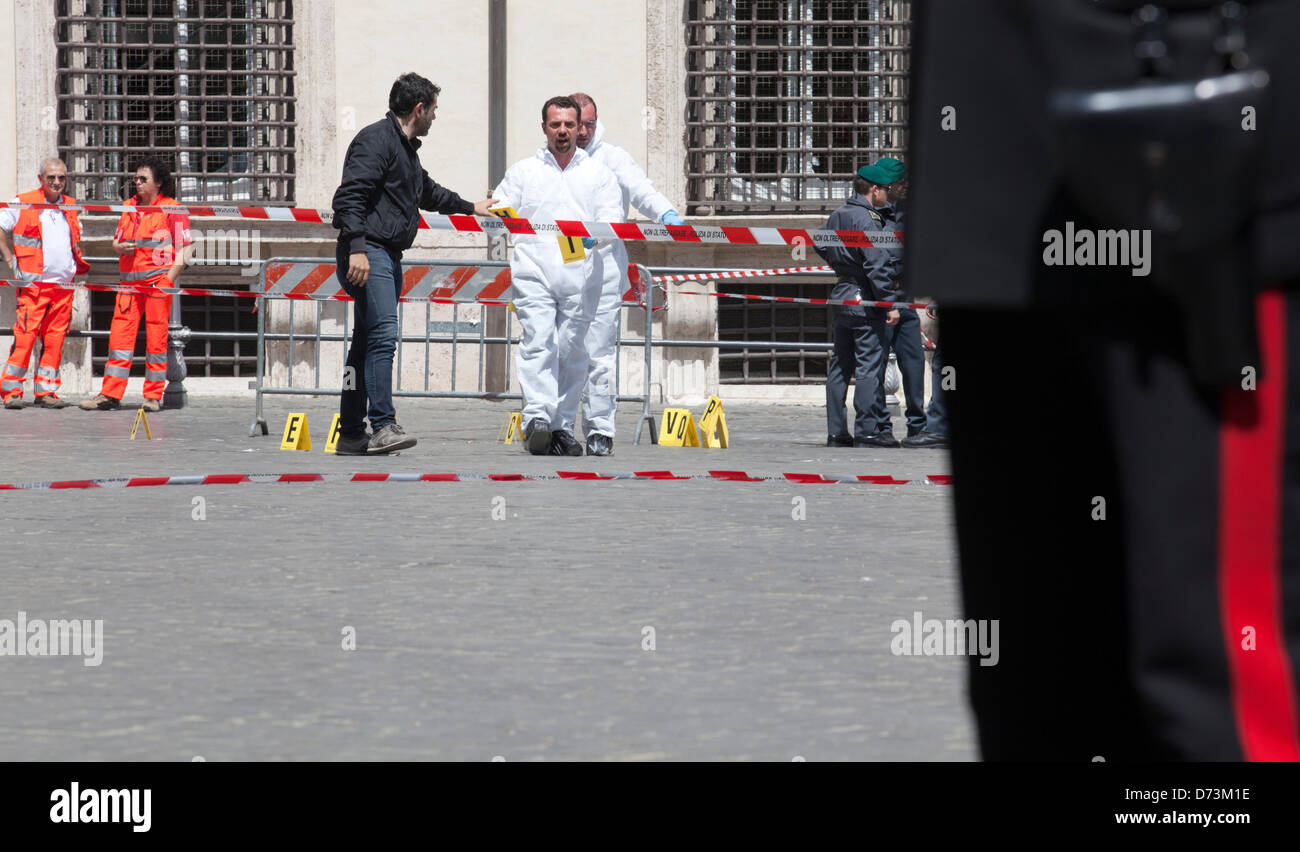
(589, 243)
(672, 218)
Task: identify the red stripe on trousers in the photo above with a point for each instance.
(1250, 537)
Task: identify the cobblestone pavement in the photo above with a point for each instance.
(227, 609)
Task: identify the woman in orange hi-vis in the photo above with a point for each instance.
(151, 248)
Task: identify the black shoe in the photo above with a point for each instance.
(537, 436)
(880, 439)
(839, 441)
(389, 439)
(600, 445)
(358, 446)
(564, 444)
(927, 439)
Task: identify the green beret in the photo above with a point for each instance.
(884, 171)
(897, 171)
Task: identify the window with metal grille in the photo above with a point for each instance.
(786, 98)
(205, 84)
(780, 321)
(224, 357)
(208, 86)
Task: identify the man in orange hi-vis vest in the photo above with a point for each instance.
(151, 248)
(40, 246)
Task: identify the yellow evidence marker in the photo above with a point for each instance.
(141, 417)
(332, 443)
(506, 212)
(296, 436)
(677, 429)
(513, 427)
(571, 249)
(713, 425)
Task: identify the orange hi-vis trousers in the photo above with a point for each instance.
(121, 343)
(42, 313)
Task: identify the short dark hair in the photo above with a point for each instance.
(563, 102)
(861, 185)
(411, 89)
(162, 174)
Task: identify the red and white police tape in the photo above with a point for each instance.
(568, 475)
(742, 273)
(928, 306)
(703, 234)
(446, 283)
(129, 288)
(437, 291)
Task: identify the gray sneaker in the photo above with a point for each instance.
(389, 439)
(49, 400)
(346, 446)
(100, 403)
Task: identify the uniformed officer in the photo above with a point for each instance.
(857, 331)
(935, 434)
(1142, 552)
(905, 336)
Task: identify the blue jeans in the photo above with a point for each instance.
(858, 352)
(374, 340)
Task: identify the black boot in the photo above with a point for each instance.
(564, 444)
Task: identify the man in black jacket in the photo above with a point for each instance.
(376, 211)
(858, 331)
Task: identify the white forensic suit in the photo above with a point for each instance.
(553, 299)
(607, 268)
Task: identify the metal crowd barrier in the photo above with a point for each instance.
(893, 378)
(428, 339)
(262, 337)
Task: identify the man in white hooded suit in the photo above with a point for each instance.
(608, 266)
(554, 300)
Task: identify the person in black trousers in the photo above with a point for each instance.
(1141, 545)
(377, 212)
(858, 331)
(904, 337)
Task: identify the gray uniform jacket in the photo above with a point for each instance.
(865, 273)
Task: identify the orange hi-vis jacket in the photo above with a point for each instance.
(156, 236)
(28, 242)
